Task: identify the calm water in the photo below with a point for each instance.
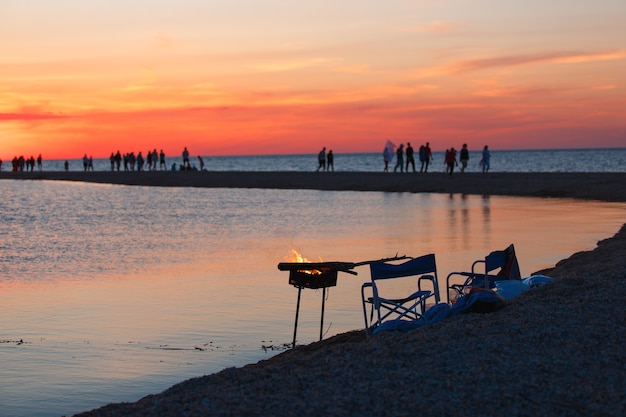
(117, 292)
(561, 160)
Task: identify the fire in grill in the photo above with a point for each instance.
(309, 279)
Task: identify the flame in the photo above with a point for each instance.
(297, 257)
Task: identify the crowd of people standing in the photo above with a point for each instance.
(131, 162)
(424, 154)
(426, 157)
(21, 164)
(150, 161)
(153, 160)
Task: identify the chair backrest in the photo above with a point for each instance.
(417, 266)
(506, 260)
(510, 270)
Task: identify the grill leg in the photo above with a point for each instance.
(295, 327)
(322, 319)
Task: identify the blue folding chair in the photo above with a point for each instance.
(500, 265)
(386, 304)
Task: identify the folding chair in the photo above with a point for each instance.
(389, 307)
(504, 260)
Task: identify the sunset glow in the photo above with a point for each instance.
(241, 78)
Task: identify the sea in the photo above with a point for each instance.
(109, 293)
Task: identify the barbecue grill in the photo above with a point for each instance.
(316, 275)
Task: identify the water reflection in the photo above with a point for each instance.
(123, 291)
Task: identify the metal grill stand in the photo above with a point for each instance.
(314, 276)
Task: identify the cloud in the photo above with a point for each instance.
(292, 65)
(163, 41)
(26, 116)
(536, 58)
(436, 26)
(354, 69)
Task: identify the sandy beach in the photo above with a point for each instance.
(554, 350)
(594, 186)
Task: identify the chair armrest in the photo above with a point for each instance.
(434, 283)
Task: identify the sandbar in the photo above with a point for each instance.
(590, 186)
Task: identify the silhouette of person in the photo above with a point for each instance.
(66, 165)
(485, 163)
(118, 160)
(400, 159)
(464, 157)
(330, 161)
(321, 159)
(201, 161)
(409, 157)
(186, 164)
(162, 160)
(428, 156)
(140, 161)
(450, 160)
(387, 155)
(39, 163)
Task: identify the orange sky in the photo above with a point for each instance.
(240, 77)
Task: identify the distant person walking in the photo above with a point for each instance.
(186, 164)
(321, 159)
(39, 163)
(386, 158)
(155, 159)
(400, 159)
(409, 157)
(140, 161)
(464, 157)
(485, 162)
(118, 160)
(85, 162)
(388, 154)
(330, 161)
(201, 162)
(428, 156)
(162, 164)
(422, 157)
(451, 160)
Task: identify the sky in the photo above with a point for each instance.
(243, 77)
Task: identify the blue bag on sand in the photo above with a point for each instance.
(537, 280)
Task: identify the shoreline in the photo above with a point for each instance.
(555, 350)
(609, 187)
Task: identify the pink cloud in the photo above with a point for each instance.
(28, 116)
(561, 57)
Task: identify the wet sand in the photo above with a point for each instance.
(594, 186)
(554, 350)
